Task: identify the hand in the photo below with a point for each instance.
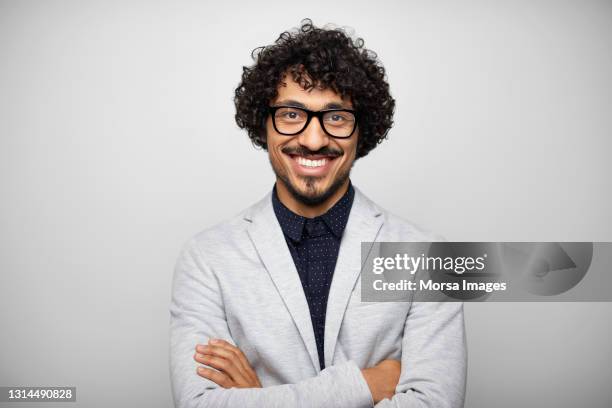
(233, 367)
(382, 379)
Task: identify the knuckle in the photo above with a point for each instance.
(219, 362)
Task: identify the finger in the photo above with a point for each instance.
(227, 352)
(248, 370)
(217, 377)
(226, 366)
(235, 355)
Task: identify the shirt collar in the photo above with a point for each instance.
(335, 218)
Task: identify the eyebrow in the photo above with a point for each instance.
(296, 104)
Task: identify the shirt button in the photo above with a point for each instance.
(310, 227)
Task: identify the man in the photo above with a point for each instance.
(266, 308)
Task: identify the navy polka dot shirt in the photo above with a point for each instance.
(314, 244)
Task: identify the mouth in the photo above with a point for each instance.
(312, 165)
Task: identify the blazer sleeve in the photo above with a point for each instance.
(434, 358)
(197, 314)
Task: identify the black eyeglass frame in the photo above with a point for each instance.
(310, 114)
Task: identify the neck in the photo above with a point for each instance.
(305, 210)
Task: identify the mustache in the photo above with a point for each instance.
(302, 151)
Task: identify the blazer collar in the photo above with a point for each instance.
(363, 225)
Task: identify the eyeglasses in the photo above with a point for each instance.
(289, 120)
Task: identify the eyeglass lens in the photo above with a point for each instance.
(293, 120)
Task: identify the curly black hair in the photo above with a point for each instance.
(325, 58)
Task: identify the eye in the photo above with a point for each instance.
(287, 114)
(339, 118)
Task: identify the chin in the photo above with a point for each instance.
(313, 190)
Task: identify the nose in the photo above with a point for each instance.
(313, 137)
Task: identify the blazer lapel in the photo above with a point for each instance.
(363, 225)
(269, 241)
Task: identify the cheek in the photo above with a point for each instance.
(274, 145)
(275, 154)
(350, 152)
(272, 138)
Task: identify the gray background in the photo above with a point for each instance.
(117, 144)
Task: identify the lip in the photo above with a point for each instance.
(319, 171)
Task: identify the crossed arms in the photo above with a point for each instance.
(233, 370)
(431, 372)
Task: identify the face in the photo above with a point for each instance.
(312, 165)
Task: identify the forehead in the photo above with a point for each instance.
(314, 98)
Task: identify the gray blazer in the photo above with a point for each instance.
(237, 281)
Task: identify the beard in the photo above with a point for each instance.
(311, 196)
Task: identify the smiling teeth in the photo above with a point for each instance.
(311, 163)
